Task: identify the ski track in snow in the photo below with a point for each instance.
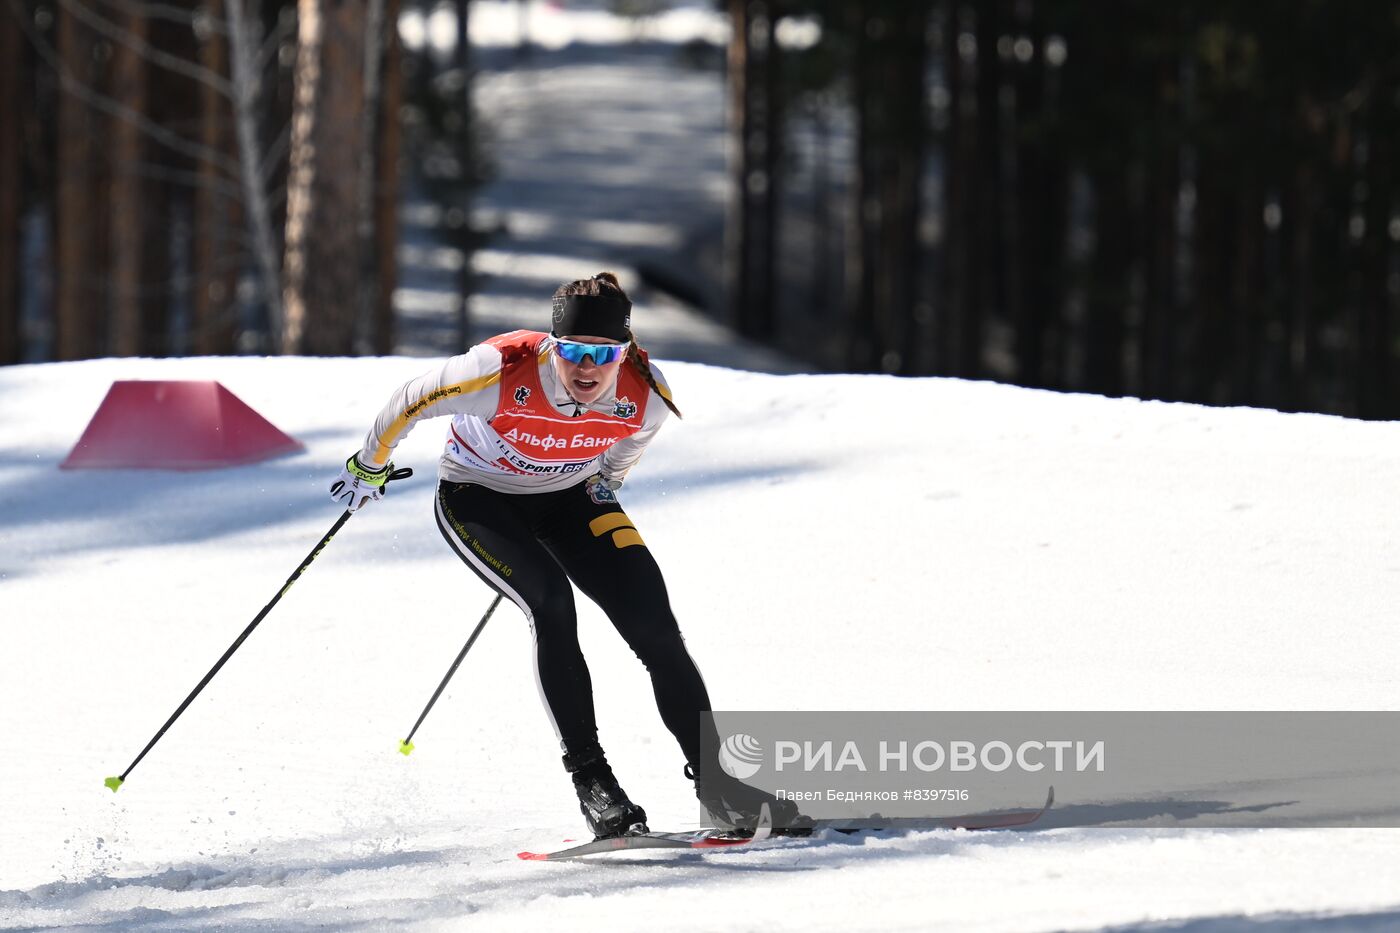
(899, 544)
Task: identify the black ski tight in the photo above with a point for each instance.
(528, 547)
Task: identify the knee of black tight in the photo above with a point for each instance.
(661, 653)
(554, 611)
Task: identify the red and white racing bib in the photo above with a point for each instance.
(527, 435)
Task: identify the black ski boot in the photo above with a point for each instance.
(604, 804)
(735, 805)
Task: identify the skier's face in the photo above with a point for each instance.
(586, 380)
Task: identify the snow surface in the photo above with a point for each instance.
(830, 542)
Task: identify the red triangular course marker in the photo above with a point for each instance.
(175, 426)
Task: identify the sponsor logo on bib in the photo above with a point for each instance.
(555, 442)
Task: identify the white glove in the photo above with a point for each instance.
(602, 489)
(358, 484)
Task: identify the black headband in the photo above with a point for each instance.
(607, 316)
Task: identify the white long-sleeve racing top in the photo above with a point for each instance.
(514, 426)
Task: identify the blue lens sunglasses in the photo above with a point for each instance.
(601, 353)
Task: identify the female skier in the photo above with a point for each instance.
(544, 429)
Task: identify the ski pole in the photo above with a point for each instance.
(116, 782)
(406, 745)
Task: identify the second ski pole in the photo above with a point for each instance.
(406, 746)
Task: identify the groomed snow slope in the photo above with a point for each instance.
(830, 542)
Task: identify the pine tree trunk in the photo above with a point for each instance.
(386, 224)
(11, 182)
(77, 331)
(955, 316)
(1041, 196)
(321, 292)
(1376, 388)
(1209, 335)
(1108, 296)
(245, 35)
(888, 85)
(127, 228)
(751, 234)
(460, 232)
(1299, 209)
(367, 184)
(1243, 365)
(989, 267)
(462, 49)
(1159, 238)
(169, 203)
(213, 325)
(861, 354)
(301, 174)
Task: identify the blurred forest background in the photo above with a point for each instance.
(1190, 201)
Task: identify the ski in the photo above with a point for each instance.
(1003, 820)
(720, 839)
(692, 839)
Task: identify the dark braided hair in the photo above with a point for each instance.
(605, 283)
